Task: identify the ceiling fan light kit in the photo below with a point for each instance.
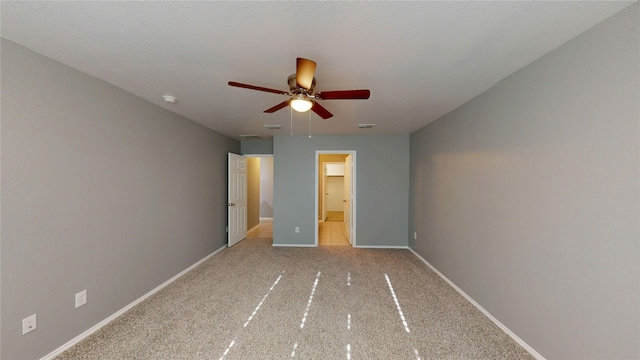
(301, 86)
(301, 105)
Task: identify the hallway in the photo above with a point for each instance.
(330, 233)
(263, 231)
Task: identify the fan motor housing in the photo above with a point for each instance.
(295, 89)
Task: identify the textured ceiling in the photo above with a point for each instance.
(419, 59)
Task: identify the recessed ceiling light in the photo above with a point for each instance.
(273, 127)
(366, 126)
(170, 99)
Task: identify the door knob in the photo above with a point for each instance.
(231, 204)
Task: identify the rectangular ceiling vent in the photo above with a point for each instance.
(366, 126)
(273, 127)
(249, 137)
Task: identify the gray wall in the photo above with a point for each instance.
(101, 190)
(527, 197)
(382, 187)
(266, 186)
(256, 147)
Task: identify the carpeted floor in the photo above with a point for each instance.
(255, 301)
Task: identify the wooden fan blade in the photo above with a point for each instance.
(305, 69)
(259, 88)
(344, 95)
(277, 107)
(321, 111)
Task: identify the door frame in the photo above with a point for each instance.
(353, 192)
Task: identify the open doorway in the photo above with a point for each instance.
(260, 196)
(335, 197)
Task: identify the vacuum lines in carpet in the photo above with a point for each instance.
(256, 301)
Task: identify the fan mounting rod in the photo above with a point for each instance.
(295, 89)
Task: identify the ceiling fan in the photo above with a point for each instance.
(301, 86)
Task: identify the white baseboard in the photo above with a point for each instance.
(380, 247)
(266, 218)
(515, 337)
(294, 245)
(357, 246)
(106, 321)
(255, 227)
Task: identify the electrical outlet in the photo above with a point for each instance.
(28, 324)
(415, 236)
(81, 298)
(297, 230)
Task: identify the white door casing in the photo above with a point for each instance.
(353, 199)
(236, 199)
(348, 191)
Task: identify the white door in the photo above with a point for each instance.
(335, 193)
(348, 192)
(237, 199)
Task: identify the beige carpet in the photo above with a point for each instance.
(255, 301)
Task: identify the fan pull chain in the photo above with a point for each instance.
(291, 112)
(309, 124)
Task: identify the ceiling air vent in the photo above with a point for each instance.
(249, 137)
(366, 126)
(273, 127)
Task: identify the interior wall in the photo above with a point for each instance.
(255, 147)
(266, 187)
(101, 190)
(527, 197)
(253, 192)
(382, 164)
